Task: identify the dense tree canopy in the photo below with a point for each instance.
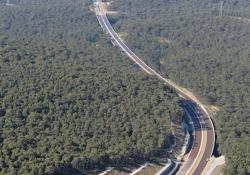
(68, 100)
(192, 44)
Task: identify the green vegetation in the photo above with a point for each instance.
(204, 52)
(69, 102)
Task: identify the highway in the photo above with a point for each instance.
(204, 134)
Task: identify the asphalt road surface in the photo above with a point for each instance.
(204, 135)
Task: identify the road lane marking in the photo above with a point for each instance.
(145, 67)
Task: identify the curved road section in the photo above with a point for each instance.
(204, 135)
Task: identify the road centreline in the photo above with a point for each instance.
(104, 22)
(196, 135)
(209, 131)
(191, 170)
(114, 35)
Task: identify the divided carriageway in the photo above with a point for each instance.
(204, 134)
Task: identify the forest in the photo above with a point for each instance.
(203, 49)
(70, 102)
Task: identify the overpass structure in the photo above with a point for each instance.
(204, 134)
